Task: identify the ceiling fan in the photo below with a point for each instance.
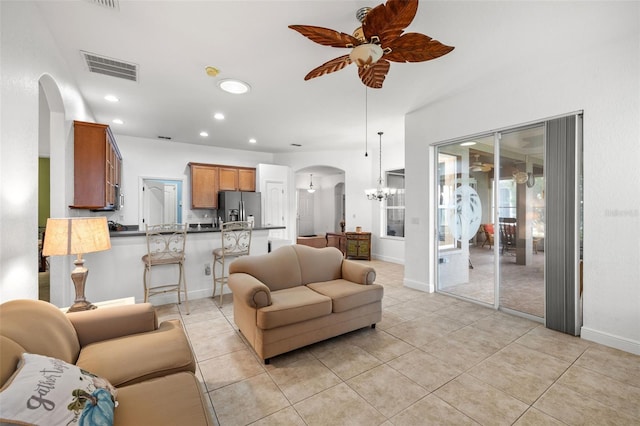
(478, 166)
(379, 40)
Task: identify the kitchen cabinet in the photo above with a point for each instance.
(237, 178)
(204, 186)
(97, 167)
(246, 179)
(358, 245)
(228, 178)
(209, 179)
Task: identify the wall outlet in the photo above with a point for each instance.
(207, 269)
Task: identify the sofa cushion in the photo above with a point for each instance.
(46, 390)
(40, 328)
(277, 270)
(293, 305)
(139, 357)
(318, 265)
(10, 354)
(170, 400)
(347, 295)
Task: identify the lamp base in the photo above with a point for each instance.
(79, 278)
(82, 306)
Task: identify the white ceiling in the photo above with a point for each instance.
(173, 41)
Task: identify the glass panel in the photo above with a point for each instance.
(395, 204)
(521, 220)
(464, 219)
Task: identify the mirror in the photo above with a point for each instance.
(161, 201)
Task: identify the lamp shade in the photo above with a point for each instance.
(76, 235)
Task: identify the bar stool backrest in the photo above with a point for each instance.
(166, 242)
(236, 238)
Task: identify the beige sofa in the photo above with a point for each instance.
(151, 365)
(298, 295)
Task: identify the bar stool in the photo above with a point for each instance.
(236, 241)
(165, 246)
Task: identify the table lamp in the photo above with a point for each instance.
(77, 235)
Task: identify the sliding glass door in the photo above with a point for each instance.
(466, 234)
(490, 219)
(521, 220)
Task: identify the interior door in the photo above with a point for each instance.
(305, 213)
(154, 203)
(170, 208)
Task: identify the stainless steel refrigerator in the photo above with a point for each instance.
(239, 205)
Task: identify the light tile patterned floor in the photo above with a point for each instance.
(433, 359)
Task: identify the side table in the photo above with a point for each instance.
(358, 245)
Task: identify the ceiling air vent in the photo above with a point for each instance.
(111, 4)
(111, 67)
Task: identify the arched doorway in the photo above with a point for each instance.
(51, 184)
(319, 200)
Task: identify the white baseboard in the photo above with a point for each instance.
(397, 260)
(610, 340)
(418, 285)
(165, 299)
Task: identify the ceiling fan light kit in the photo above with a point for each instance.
(478, 166)
(379, 40)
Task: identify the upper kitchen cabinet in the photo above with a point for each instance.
(246, 179)
(237, 178)
(97, 167)
(204, 186)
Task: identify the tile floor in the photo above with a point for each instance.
(433, 359)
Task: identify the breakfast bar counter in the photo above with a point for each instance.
(117, 272)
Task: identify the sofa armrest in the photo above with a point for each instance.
(358, 272)
(108, 323)
(249, 290)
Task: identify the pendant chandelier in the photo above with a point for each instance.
(311, 189)
(380, 192)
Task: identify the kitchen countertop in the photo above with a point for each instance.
(133, 231)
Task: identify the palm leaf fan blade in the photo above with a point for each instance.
(328, 67)
(326, 36)
(416, 47)
(373, 76)
(388, 21)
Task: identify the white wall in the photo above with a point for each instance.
(587, 60)
(27, 53)
(356, 177)
(385, 248)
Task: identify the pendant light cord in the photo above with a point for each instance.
(366, 117)
(380, 176)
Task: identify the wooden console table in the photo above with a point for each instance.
(358, 245)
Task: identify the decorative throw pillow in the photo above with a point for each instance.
(48, 391)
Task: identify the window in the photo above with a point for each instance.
(394, 217)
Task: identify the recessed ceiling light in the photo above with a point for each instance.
(111, 98)
(467, 143)
(218, 116)
(236, 87)
(252, 140)
(118, 121)
(204, 134)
